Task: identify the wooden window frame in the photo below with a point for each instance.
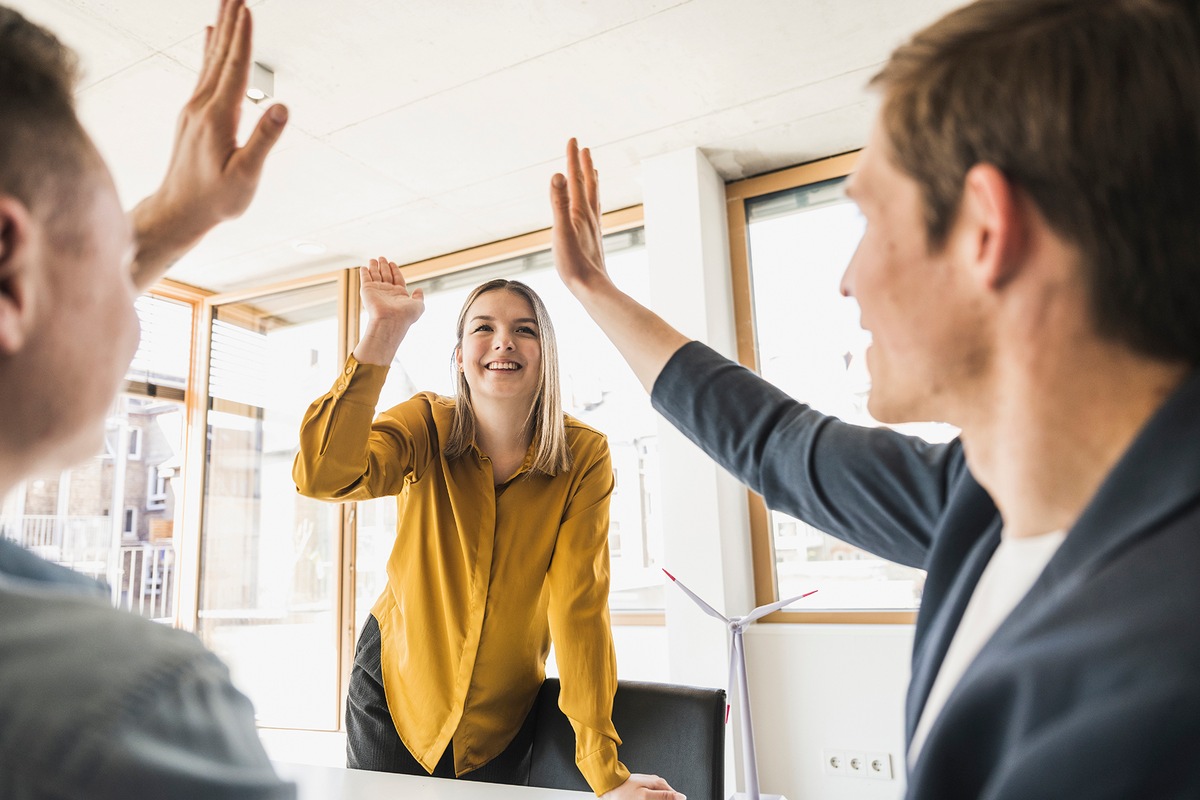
(737, 194)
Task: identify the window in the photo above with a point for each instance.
(157, 480)
(134, 449)
(800, 231)
(270, 561)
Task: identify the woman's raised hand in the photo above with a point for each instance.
(576, 238)
(385, 296)
(391, 309)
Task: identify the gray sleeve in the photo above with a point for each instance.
(103, 705)
(872, 487)
(188, 733)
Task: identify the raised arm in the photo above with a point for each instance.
(210, 177)
(344, 455)
(643, 338)
(875, 488)
(391, 310)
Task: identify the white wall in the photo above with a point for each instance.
(828, 687)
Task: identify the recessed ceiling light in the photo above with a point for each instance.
(309, 248)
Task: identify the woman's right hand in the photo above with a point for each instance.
(391, 310)
(385, 296)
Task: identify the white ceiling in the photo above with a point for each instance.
(427, 126)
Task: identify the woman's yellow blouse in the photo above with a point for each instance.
(480, 576)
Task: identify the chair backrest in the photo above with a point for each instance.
(677, 732)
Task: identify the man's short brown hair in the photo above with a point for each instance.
(43, 148)
(1092, 107)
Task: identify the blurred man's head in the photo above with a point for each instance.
(67, 324)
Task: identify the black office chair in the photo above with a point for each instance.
(677, 732)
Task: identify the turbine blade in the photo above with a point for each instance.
(762, 611)
(712, 612)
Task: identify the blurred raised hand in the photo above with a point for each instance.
(210, 178)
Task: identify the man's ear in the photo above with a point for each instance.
(16, 283)
(996, 233)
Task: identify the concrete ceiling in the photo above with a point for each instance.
(423, 127)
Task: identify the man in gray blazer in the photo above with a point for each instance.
(1030, 272)
(94, 702)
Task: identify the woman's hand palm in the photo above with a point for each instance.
(385, 296)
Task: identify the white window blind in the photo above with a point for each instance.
(238, 366)
(164, 351)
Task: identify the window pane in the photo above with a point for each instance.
(268, 572)
(811, 346)
(100, 518)
(598, 389)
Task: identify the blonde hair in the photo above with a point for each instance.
(552, 453)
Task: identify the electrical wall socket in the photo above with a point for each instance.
(879, 766)
(857, 764)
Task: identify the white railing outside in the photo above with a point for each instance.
(141, 575)
(148, 573)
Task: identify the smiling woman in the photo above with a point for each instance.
(507, 355)
(495, 486)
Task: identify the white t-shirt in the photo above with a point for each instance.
(1014, 567)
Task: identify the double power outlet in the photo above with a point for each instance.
(857, 764)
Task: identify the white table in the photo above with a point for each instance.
(334, 783)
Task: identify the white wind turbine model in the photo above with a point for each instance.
(737, 666)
